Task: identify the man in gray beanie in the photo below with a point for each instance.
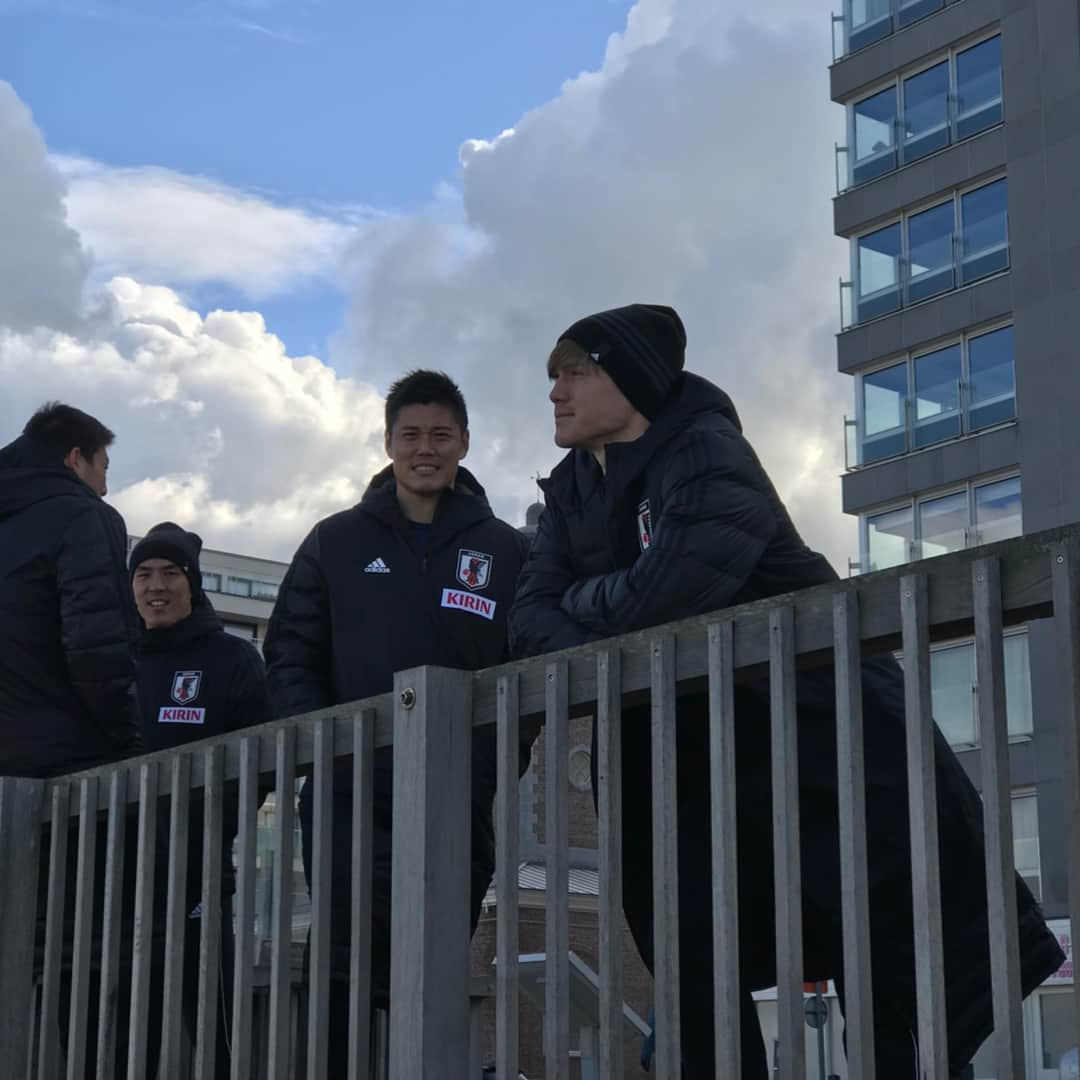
(661, 511)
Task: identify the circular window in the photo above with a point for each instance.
(579, 767)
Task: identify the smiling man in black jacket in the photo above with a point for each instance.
(660, 511)
(195, 681)
(419, 572)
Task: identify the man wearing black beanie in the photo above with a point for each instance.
(194, 681)
(661, 511)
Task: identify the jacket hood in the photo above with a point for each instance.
(202, 621)
(694, 400)
(464, 504)
(28, 475)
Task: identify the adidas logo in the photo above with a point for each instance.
(376, 566)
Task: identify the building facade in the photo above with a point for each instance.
(959, 194)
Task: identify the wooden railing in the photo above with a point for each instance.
(429, 719)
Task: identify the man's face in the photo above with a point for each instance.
(425, 445)
(162, 593)
(90, 470)
(590, 410)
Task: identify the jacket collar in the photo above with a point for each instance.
(458, 508)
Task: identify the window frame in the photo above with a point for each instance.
(903, 219)
(915, 501)
(909, 359)
(897, 81)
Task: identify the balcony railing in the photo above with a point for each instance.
(428, 719)
(862, 22)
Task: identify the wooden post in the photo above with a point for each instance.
(430, 876)
(20, 845)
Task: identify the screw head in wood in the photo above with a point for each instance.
(408, 697)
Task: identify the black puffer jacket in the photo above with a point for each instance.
(361, 600)
(685, 521)
(196, 681)
(364, 598)
(67, 622)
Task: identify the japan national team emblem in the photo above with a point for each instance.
(185, 686)
(473, 568)
(644, 524)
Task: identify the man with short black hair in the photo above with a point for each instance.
(67, 623)
(661, 511)
(419, 572)
(195, 681)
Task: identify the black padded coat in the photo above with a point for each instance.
(67, 622)
(685, 521)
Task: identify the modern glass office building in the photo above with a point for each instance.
(958, 192)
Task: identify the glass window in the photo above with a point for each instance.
(1056, 1019)
(264, 590)
(991, 380)
(870, 20)
(943, 524)
(952, 679)
(884, 412)
(984, 231)
(875, 136)
(211, 582)
(888, 538)
(997, 510)
(879, 272)
(926, 112)
(1025, 822)
(236, 586)
(930, 252)
(978, 88)
(910, 10)
(937, 396)
(1018, 684)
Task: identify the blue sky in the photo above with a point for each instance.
(315, 103)
(227, 227)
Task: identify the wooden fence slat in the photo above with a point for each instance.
(922, 811)
(727, 996)
(557, 869)
(83, 931)
(321, 880)
(241, 1064)
(786, 854)
(209, 1009)
(854, 886)
(143, 937)
(111, 924)
(1065, 570)
(48, 1045)
(363, 735)
(506, 881)
(609, 798)
(997, 814)
(280, 958)
(176, 915)
(665, 861)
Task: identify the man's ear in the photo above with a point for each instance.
(73, 458)
(464, 444)
(386, 441)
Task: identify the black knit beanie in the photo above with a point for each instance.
(169, 541)
(641, 346)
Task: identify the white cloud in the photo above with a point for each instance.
(159, 225)
(42, 265)
(694, 168)
(216, 426)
